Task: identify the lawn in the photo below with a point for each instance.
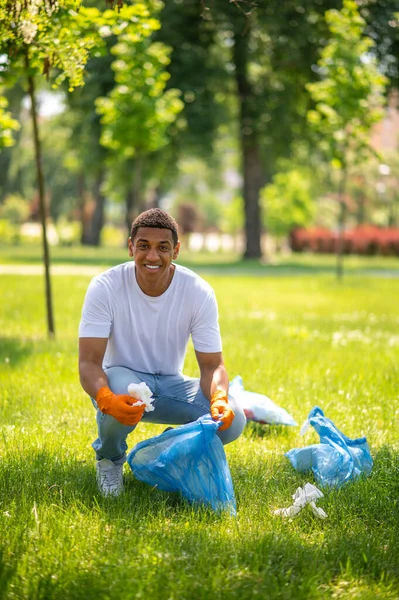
(216, 262)
(302, 340)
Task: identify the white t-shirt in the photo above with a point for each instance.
(145, 333)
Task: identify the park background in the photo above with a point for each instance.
(270, 131)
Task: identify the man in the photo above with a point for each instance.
(136, 321)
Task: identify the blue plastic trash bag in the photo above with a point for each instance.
(258, 407)
(337, 459)
(189, 459)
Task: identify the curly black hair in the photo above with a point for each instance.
(158, 219)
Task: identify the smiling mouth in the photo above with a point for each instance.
(152, 267)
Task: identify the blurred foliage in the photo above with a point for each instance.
(13, 97)
(242, 71)
(9, 233)
(288, 202)
(350, 94)
(138, 112)
(59, 167)
(44, 37)
(232, 220)
(15, 209)
(114, 237)
(68, 232)
(114, 116)
(349, 100)
(208, 186)
(382, 26)
(7, 125)
(197, 68)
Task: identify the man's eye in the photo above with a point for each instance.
(164, 248)
(142, 246)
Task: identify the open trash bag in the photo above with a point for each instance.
(337, 459)
(189, 459)
(258, 407)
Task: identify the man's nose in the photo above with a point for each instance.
(152, 254)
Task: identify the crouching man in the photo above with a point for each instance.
(137, 319)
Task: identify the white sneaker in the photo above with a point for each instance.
(109, 477)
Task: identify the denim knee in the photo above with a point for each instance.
(119, 379)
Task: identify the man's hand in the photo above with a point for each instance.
(220, 409)
(119, 406)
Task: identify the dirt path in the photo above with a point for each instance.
(54, 270)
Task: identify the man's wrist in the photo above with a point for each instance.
(219, 395)
(103, 398)
(102, 390)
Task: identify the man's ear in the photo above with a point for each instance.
(130, 246)
(176, 250)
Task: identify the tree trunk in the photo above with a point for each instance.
(42, 207)
(134, 200)
(252, 167)
(341, 224)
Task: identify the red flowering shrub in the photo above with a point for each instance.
(365, 239)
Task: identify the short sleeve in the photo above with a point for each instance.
(205, 331)
(96, 320)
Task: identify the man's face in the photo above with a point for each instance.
(153, 251)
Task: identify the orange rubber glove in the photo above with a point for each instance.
(220, 409)
(119, 406)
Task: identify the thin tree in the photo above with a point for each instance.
(37, 37)
(349, 99)
(54, 38)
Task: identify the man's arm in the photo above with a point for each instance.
(95, 382)
(214, 383)
(91, 354)
(213, 374)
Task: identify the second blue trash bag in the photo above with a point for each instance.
(189, 459)
(337, 459)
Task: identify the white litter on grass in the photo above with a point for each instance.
(143, 394)
(303, 496)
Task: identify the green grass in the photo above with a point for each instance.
(301, 340)
(223, 262)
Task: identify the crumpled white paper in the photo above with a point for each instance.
(143, 394)
(303, 496)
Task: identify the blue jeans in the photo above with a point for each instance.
(177, 400)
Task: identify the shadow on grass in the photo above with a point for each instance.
(65, 482)
(307, 558)
(7, 571)
(286, 268)
(259, 430)
(15, 350)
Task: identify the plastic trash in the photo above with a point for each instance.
(303, 496)
(143, 394)
(189, 459)
(258, 407)
(336, 459)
